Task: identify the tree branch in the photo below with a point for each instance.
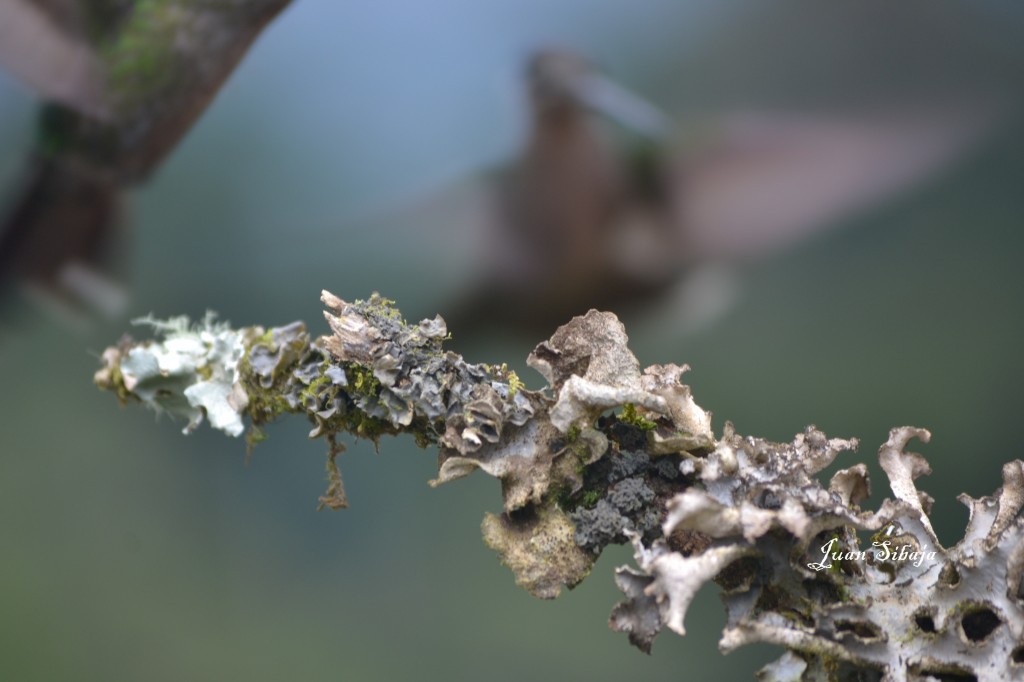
(610, 454)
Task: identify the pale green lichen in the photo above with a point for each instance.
(540, 549)
(191, 373)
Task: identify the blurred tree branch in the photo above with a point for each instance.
(124, 80)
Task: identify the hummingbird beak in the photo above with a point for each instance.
(625, 108)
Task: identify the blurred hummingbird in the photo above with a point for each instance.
(592, 215)
(124, 80)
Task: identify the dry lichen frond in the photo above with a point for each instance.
(906, 609)
(669, 583)
(591, 369)
(610, 454)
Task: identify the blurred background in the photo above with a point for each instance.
(130, 551)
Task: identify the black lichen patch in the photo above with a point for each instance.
(600, 526)
(624, 491)
(630, 495)
(629, 437)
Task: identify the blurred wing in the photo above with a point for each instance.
(39, 47)
(771, 180)
(441, 238)
(694, 303)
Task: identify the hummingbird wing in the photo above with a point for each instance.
(442, 236)
(768, 180)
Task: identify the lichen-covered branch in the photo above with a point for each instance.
(608, 453)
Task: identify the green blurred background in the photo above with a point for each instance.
(132, 552)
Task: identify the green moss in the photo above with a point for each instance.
(631, 416)
(142, 57)
(514, 384)
(504, 374)
(361, 379)
(379, 306)
(581, 451)
(335, 496)
(363, 426)
(265, 404)
(836, 567)
(562, 496)
(253, 437)
(423, 439)
(312, 391)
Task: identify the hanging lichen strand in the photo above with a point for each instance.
(610, 454)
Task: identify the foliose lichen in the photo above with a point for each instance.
(607, 453)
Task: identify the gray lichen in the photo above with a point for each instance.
(905, 609)
(626, 501)
(610, 454)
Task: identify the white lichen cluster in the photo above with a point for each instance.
(608, 453)
(191, 372)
